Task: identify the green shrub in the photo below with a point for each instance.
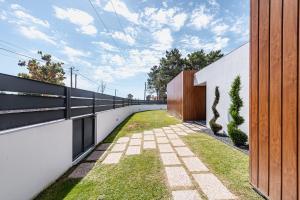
(237, 136)
(215, 127)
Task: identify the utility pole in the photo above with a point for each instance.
(75, 80)
(71, 71)
(115, 92)
(145, 91)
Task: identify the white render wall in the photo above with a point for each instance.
(33, 157)
(222, 73)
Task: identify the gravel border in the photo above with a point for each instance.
(224, 139)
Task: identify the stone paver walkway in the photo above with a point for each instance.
(186, 175)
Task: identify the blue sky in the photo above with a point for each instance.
(126, 39)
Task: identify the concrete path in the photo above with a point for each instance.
(186, 175)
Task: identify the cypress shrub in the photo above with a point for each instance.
(237, 136)
(215, 127)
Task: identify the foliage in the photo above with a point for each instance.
(50, 72)
(172, 64)
(215, 127)
(237, 136)
(130, 96)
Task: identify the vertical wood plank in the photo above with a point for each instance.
(275, 98)
(263, 181)
(289, 120)
(253, 139)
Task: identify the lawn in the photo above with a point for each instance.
(142, 121)
(229, 164)
(136, 177)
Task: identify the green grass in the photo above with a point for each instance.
(229, 164)
(135, 177)
(142, 121)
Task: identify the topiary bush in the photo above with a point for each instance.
(215, 127)
(237, 136)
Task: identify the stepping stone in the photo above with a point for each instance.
(167, 128)
(162, 140)
(112, 158)
(95, 155)
(158, 130)
(181, 133)
(177, 129)
(194, 164)
(118, 147)
(172, 136)
(160, 134)
(149, 145)
(104, 146)
(212, 187)
(169, 131)
(148, 132)
(148, 137)
(81, 170)
(133, 150)
(135, 142)
(169, 159)
(165, 148)
(177, 177)
(136, 135)
(123, 140)
(184, 151)
(177, 143)
(186, 195)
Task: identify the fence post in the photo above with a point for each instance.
(68, 102)
(114, 106)
(94, 102)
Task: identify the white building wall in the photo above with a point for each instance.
(33, 157)
(222, 73)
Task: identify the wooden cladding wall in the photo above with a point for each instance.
(274, 98)
(185, 100)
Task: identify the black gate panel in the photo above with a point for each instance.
(83, 135)
(77, 137)
(88, 132)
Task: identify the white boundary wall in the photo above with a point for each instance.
(222, 73)
(33, 157)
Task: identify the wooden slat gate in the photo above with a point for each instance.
(274, 93)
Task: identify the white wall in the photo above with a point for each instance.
(33, 157)
(108, 120)
(221, 73)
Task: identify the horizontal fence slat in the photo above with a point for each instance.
(103, 108)
(16, 120)
(81, 102)
(16, 84)
(81, 93)
(81, 111)
(14, 102)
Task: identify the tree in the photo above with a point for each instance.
(237, 136)
(172, 64)
(130, 96)
(50, 72)
(215, 127)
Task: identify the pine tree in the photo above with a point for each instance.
(237, 136)
(215, 127)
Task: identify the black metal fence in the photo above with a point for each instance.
(26, 102)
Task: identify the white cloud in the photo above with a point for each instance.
(3, 15)
(124, 37)
(220, 29)
(74, 55)
(22, 17)
(201, 18)
(106, 46)
(32, 33)
(121, 9)
(157, 18)
(83, 20)
(163, 38)
(165, 4)
(195, 43)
